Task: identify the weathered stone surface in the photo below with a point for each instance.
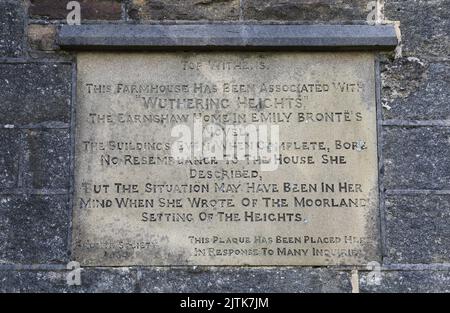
(90, 9)
(11, 28)
(32, 281)
(93, 280)
(107, 280)
(244, 280)
(158, 222)
(416, 158)
(47, 159)
(322, 11)
(415, 90)
(417, 229)
(35, 93)
(33, 229)
(42, 37)
(157, 280)
(9, 158)
(219, 36)
(425, 281)
(184, 10)
(424, 26)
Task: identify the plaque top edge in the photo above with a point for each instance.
(227, 36)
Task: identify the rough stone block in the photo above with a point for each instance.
(90, 9)
(33, 229)
(416, 158)
(244, 280)
(424, 26)
(309, 10)
(416, 90)
(93, 280)
(47, 159)
(11, 28)
(32, 281)
(417, 229)
(9, 158)
(42, 37)
(219, 36)
(184, 10)
(35, 93)
(408, 281)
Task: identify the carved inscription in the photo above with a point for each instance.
(161, 179)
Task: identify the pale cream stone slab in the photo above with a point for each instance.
(313, 98)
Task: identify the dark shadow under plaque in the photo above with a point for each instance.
(315, 202)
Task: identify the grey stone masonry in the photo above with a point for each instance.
(429, 158)
(177, 280)
(416, 89)
(222, 36)
(33, 229)
(37, 101)
(422, 281)
(218, 10)
(9, 158)
(46, 155)
(417, 229)
(12, 22)
(35, 94)
(425, 26)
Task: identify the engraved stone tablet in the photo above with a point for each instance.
(161, 177)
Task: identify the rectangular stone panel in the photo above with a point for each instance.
(236, 158)
(35, 94)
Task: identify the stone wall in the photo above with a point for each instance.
(36, 98)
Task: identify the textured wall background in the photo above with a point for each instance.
(35, 139)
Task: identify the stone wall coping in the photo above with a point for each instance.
(226, 36)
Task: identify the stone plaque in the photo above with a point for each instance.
(234, 158)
